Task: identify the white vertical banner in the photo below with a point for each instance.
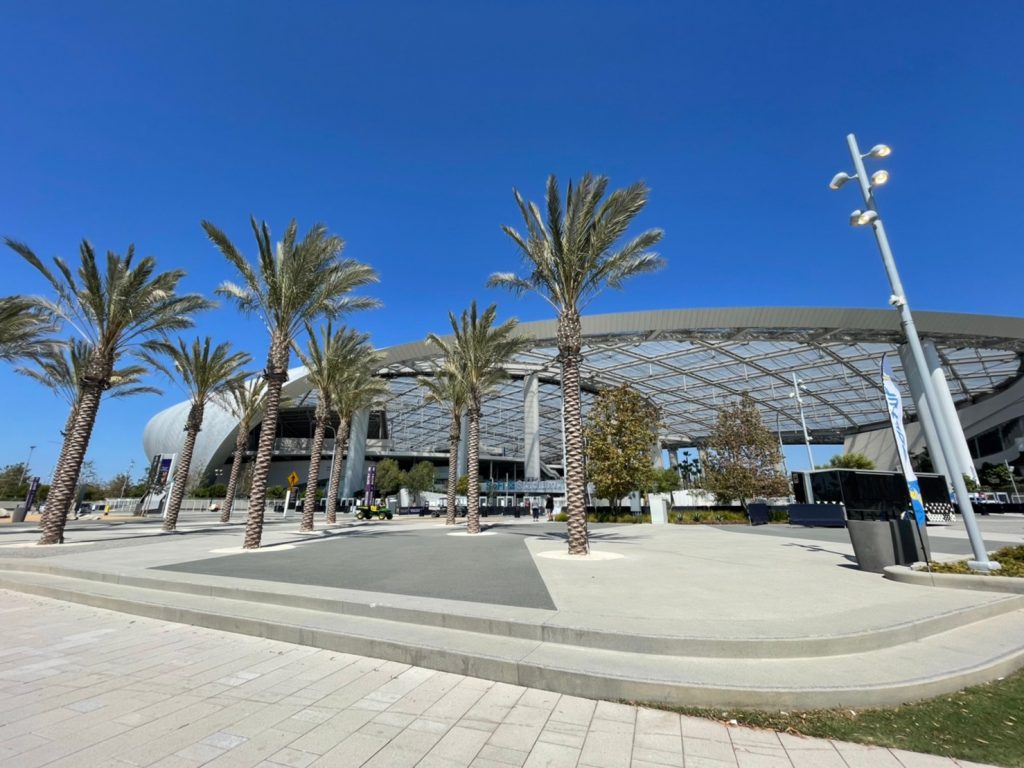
(894, 404)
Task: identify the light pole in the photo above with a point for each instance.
(797, 386)
(127, 476)
(1012, 481)
(24, 472)
(899, 300)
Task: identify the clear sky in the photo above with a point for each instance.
(404, 126)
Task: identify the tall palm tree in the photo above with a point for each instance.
(326, 363)
(570, 258)
(61, 366)
(23, 326)
(293, 283)
(359, 388)
(446, 389)
(206, 374)
(245, 401)
(123, 310)
(479, 351)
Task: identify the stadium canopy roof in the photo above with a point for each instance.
(690, 363)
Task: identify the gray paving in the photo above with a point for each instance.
(83, 687)
(498, 570)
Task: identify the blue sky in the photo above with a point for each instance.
(405, 126)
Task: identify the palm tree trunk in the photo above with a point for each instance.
(68, 426)
(340, 443)
(276, 375)
(193, 424)
(309, 506)
(236, 470)
(569, 342)
(473, 459)
(453, 465)
(76, 443)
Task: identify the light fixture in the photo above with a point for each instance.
(859, 218)
(879, 150)
(839, 179)
(878, 178)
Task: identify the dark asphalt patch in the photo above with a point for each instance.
(495, 569)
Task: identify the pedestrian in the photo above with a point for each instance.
(526, 503)
(549, 505)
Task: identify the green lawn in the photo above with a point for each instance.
(984, 724)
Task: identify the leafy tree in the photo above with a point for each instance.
(207, 374)
(23, 327)
(743, 456)
(11, 485)
(622, 426)
(446, 389)
(124, 310)
(245, 401)
(462, 485)
(570, 257)
(922, 461)
(851, 460)
(665, 480)
(359, 388)
(293, 283)
(479, 351)
(276, 492)
(971, 484)
(420, 478)
(389, 477)
(326, 364)
(995, 476)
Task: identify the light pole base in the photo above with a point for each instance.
(987, 567)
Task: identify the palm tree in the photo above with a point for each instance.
(478, 351)
(570, 259)
(359, 388)
(206, 374)
(23, 326)
(245, 401)
(61, 366)
(294, 283)
(326, 364)
(123, 311)
(445, 388)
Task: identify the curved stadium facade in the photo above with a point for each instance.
(689, 363)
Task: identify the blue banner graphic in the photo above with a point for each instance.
(894, 404)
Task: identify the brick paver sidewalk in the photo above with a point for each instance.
(90, 688)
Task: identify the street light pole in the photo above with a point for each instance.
(1012, 481)
(899, 300)
(803, 424)
(28, 461)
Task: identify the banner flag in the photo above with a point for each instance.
(894, 404)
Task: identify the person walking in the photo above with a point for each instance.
(549, 505)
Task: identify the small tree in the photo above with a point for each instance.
(389, 477)
(852, 460)
(420, 478)
(621, 429)
(995, 476)
(743, 456)
(462, 485)
(665, 480)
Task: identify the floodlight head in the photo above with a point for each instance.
(859, 218)
(839, 179)
(878, 178)
(879, 150)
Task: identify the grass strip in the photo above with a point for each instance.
(984, 724)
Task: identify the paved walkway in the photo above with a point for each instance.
(89, 688)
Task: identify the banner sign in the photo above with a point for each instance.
(894, 404)
(523, 486)
(371, 481)
(33, 488)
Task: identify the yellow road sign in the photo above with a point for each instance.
(293, 479)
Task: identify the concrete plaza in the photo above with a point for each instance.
(702, 615)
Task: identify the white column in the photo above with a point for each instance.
(531, 428)
(924, 413)
(963, 454)
(462, 461)
(354, 478)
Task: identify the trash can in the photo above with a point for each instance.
(881, 542)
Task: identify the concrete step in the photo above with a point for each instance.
(562, 628)
(938, 663)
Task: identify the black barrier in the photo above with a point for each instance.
(827, 515)
(758, 514)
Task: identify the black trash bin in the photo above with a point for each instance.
(886, 539)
